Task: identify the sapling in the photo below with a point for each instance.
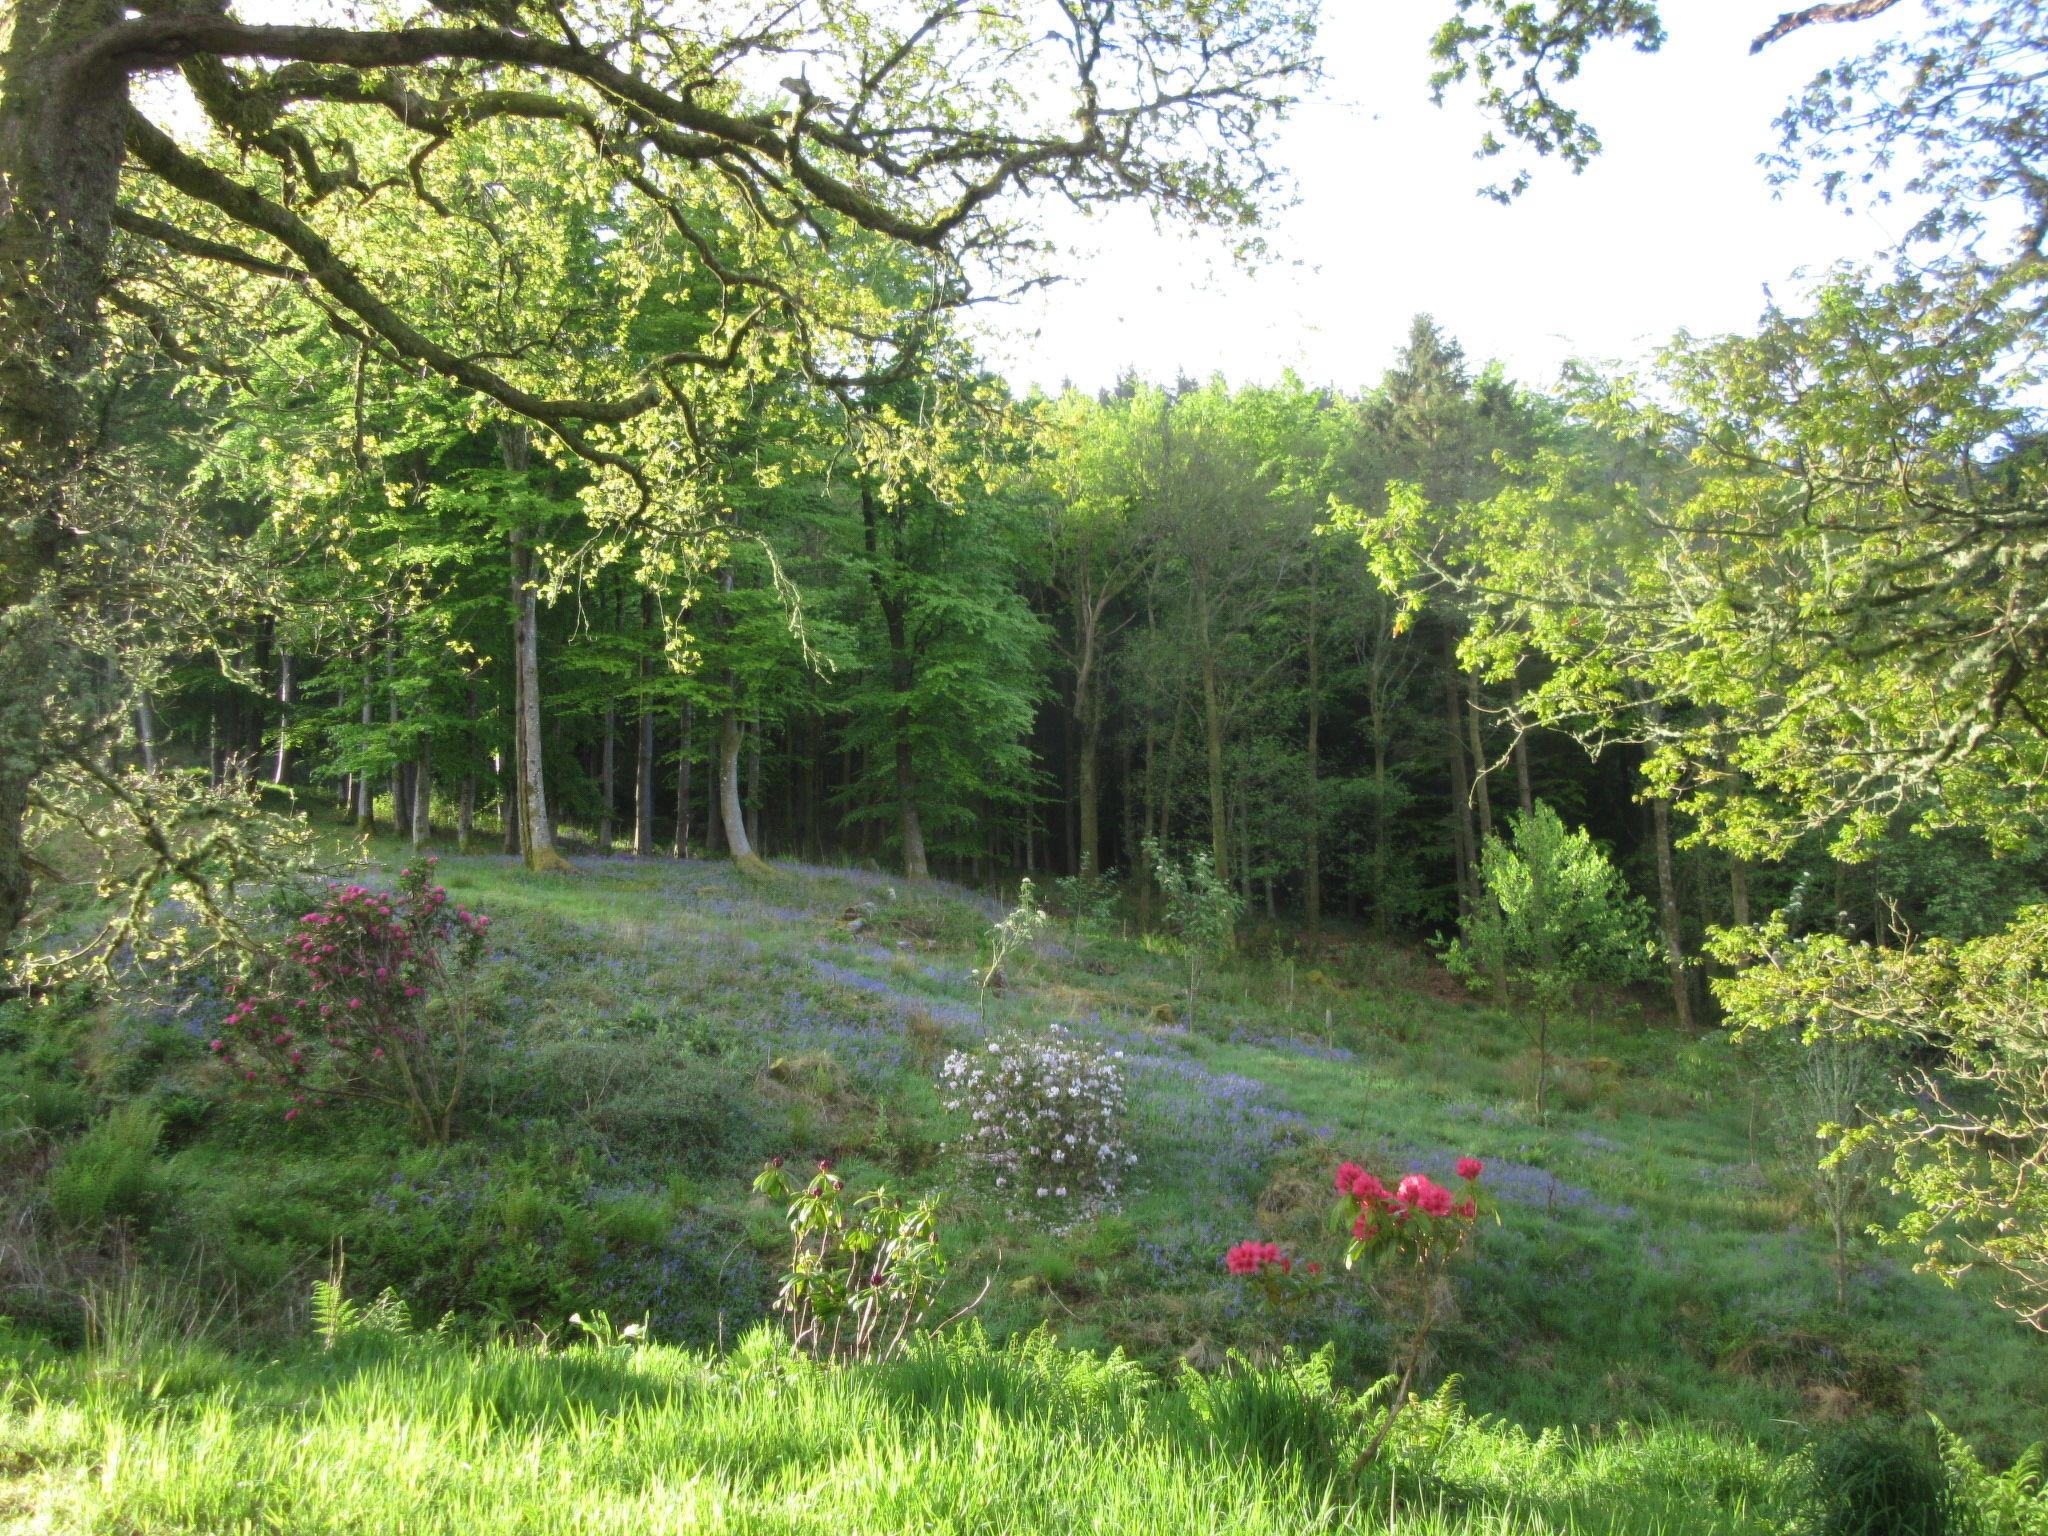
(1555, 919)
(1016, 930)
(1201, 909)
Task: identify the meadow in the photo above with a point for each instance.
(1646, 1340)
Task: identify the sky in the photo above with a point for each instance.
(1673, 227)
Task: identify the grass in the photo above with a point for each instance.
(424, 1436)
(1648, 1341)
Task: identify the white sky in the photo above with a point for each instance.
(1673, 226)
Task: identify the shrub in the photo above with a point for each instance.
(1046, 1116)
(108, 1172)
(366, 1001)
(1412, 1233)
(862, 1271)
(1868, 1483)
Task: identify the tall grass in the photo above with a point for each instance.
(963, 1436)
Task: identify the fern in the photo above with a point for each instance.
(2012, 1503)
(334, 1315)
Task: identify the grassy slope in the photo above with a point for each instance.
(664, 1026)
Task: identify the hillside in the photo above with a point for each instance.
(659, 1029)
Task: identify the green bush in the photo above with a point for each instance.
(1870, 1483)
(108, 1172)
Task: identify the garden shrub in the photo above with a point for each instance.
(110, 1171)
(862, 1270)
(1046, 1117)
(367, 1000)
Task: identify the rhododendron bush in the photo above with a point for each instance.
(1046, 1116)
(862, 1270)
(365, 1001)
(1410, 1234)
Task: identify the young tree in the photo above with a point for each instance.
(1556, 918)
(1201, 910)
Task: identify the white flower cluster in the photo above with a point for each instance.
(1047, 1115)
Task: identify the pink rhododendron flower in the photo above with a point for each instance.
(1470, 1168)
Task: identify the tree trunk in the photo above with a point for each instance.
(1482, 766)
(145, 732)
(1738, 891)
(714, 818)
(754, 782)
(684, 755)
(536, 833)
(423, 795)
(465, 814)
(287, 695)
(732, 818)
(902, 670)
(401, 801)
(1212, 725)
(643, 761)
(1312, 894)
(60, 162)
(1461, 789)
(366, 798)
(1667, 912)
(1088, 792)
(1523, 788)
(607, 777)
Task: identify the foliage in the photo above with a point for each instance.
(1835, 1086)
(1201, 909)
(863, 1270)
(1045, 1117)
(338, 1316)
(367, 1000)
(1086, 900)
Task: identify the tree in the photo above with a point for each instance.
(1164, 103)
(1557, 918)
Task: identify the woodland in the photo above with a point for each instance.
(573, 761)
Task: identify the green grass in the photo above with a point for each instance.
(1654, 1303)
(423, 1436)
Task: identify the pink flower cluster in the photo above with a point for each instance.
(1248, 1258)
(1416, 1194)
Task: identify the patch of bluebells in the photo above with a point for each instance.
(1290, 1045)
(953, 1015)
(1226, 1123)
(1525, 1184)
(696, 1288)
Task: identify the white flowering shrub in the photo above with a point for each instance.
(1046, 1116)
